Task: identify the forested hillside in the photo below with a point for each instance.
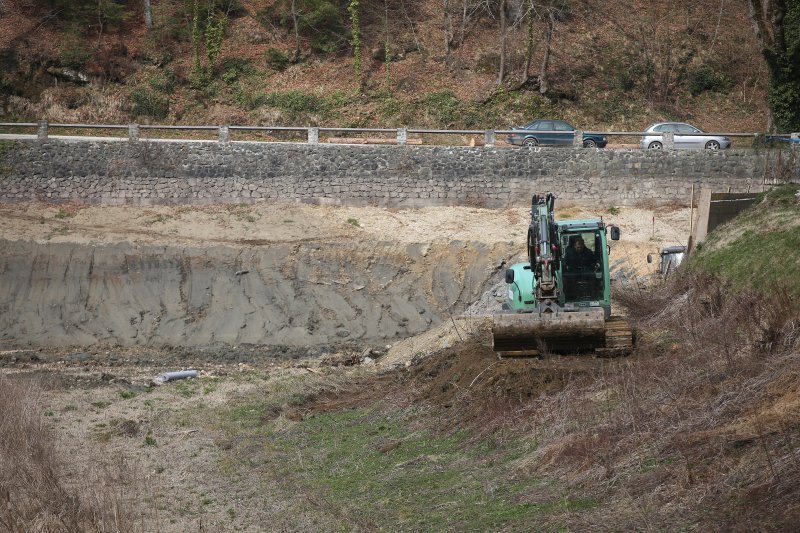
(436, 63)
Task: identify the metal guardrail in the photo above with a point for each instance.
(401, 135)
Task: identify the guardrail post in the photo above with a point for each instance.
(41, 130)
(795, 142)
(577, 139)
(488, 139)
(313, 135)
(133, 132)
(224, 134)
(402, 136)
(669, 140)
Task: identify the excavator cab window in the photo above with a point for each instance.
(582, 274)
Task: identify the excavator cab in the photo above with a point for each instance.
(583, 275)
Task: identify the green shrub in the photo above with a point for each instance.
(146, 102)
(296, 104)
(320, 20)
(234, 68)
(101, 14)
(396, 111)
(276, 59)
(73, 52)
(149, 95)
(706, 78)
(442, 106)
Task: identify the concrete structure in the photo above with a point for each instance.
(150, 172)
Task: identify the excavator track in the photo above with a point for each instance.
(619, 338)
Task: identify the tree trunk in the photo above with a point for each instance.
(462, 27)
(446, 27)
(148, 14)
(296, 32)
(783, 60)
(501, 71)
(529, 46)
(550, 21)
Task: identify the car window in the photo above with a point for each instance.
(560, 125)
(685, 128)
(544, 125)
(659, 128)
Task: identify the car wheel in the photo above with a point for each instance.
(712, 145)
(655, 145)
(589, 143)
(530, 141)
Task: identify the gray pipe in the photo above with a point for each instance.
(172, 376)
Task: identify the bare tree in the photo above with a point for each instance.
(501, 71)
(529, 44)
(148, 14)
(296, 27)
(447, 29)
(550, 26)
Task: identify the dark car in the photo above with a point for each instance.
(773, 139)
(546, 132)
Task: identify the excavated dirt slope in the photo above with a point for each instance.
(277, 275)
(285, 294)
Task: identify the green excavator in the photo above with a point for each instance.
(559, 301)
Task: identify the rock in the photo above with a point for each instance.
(68, 74)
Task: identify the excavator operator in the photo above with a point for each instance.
(579, 258)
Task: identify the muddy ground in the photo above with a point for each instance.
(267, 302)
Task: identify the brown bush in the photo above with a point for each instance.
(705, 413)
(33, 493)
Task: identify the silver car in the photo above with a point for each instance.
(685, 135)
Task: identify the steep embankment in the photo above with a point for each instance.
(302, 294)
(760, 249)
(611, 65)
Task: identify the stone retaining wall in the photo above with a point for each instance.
(161, 172)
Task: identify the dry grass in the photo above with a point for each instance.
(83, 106)
(34, 495)
(700, 428)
